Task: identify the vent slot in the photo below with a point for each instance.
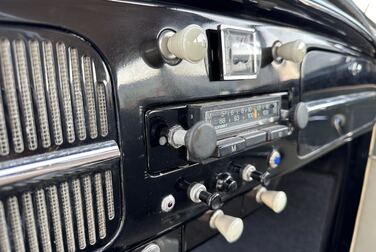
(47, 212)
(49, 93)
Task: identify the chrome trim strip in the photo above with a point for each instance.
(27, 168)
(336, 101)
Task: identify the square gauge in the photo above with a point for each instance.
(240, 53)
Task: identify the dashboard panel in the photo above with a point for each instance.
(193, 131)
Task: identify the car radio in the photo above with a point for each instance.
(232, 116)
(180, 136)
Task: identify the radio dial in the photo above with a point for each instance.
(200, 140)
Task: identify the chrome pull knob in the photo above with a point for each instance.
(230, 227)
(275, 200)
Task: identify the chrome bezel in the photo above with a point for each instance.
(224, 71)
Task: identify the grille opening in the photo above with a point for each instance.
(49, 96)
(67, 216)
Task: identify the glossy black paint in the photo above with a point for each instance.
(119, 31)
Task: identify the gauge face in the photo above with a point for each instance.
(228, 117)
(241, 53)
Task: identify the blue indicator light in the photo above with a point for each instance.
(277, 160)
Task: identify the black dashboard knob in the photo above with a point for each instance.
(200, 140)
(299, 115)
(226, 183)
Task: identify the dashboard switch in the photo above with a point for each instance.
(197, 193)
(226, 183)
(230, 145)
(292, 51)
(275, 200)
(276, 132)
(189, 44)
(274, 159)
(254, 137)
(230, 227)
(200, 140)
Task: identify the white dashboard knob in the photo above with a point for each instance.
(230, 227)
(293, 51)
(275, 200)
(189, 44)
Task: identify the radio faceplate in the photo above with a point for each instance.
(240, 124)
(228, 117)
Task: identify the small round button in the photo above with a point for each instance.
(274, 159)
(168, 203)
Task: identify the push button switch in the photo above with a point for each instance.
(254, 137)
(229, 145)
(276, 132)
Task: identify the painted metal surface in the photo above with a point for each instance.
(124, 33)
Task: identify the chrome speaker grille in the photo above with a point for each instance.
(70, 215)
(54, 93)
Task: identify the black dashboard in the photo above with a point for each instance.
(128, 125)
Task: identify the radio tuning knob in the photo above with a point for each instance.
(293, 51)
(298, 115)
(197, 193)
(230, 227)
(275, 200)
(189, 44)
(200, 140)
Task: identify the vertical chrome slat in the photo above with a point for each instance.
(29, 219)
(55, 215)
(11, 95)
(4, 235)
(77, 94)
(88, 194)
(67, 212)
(79, 213)
(44, 227)
(65, 90)
(52, 91)
(4, 144)
(102, 106)
(90, 97)
(100, 205)
(16, 224)
(36, 66)
(109, 195)
(25, 93)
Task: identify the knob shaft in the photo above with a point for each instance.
(197, 193)
(200, 140)
(189, 44)
(275, 200)
(293, 51)
(230, 227)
